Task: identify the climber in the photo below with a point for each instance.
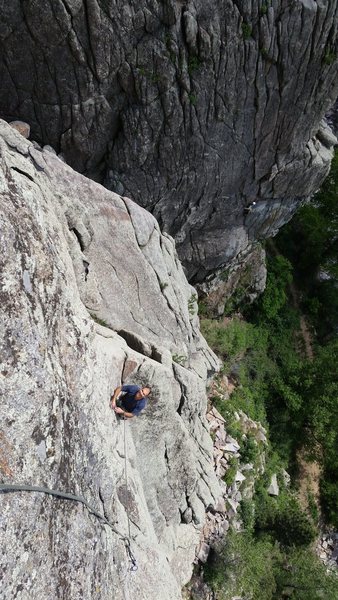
(132, 402)
(249, 208)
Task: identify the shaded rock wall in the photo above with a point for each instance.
(194, 109)
(73, 253)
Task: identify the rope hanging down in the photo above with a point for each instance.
(6, 487)
(125, 467)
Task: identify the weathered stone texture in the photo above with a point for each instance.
(72, 251)
(193, 109)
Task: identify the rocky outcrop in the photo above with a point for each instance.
(93, 294)
(194, 109)
(236, 478)
(327, 549)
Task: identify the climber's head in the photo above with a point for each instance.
(143, 392)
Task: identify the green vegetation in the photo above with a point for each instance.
(192, 99)
(246, 30)
(179, 358)
(310, 242)
(229, 339)
(193, 64)
(153, 77)
(237, 298)
(283, 518)
(264, 7)
(192, 304)
(270, 558)
(163, 285)
(275, 295)
(224, 276)
(249, 352)
(99, 321)
(249, 450)
(295, 396)
(241, 568)
(247, 514)
(260, 569)
(170, 46)
(277, 383)
(313, 509)
(329, 56)
(230, 475)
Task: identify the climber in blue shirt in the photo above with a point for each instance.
(132, 402)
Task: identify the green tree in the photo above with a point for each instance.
(300, 575)
(275, 295)
(243, 567)
(258, 569)
(310, 242)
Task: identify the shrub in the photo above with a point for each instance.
(231, 339)
(329, 495)
(293, 527)
(247, 514)
(300, 575)
(193, 64)
(244, 567)
(249, 449)
(262, 570)
(230, 475)
(192, 304)
(274, 296)
(284, 518)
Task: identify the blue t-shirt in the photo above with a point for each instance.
(128, 401)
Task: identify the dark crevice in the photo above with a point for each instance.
(139, 345)
(166, 457)
(23, 173)
(78, 237)
(181, 404)
(103, 506)
(86, 268)
(134, 342)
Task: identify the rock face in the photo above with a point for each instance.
(194, 109)
(74, 253)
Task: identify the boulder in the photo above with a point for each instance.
(239, 477)
(22, 127)
(286, 478)
(273, 488)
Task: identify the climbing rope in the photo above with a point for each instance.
(6, 487)
(125, 469)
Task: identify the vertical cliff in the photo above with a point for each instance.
(194, 109)
(73, 254)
